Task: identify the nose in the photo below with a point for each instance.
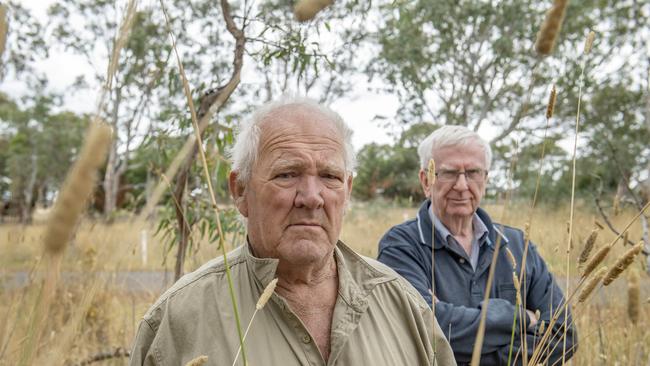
(461, 182)
(309, 193)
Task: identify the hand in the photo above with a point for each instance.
(533, 318)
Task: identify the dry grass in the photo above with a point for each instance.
(109, 317)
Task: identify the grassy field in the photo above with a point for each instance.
(94, 312)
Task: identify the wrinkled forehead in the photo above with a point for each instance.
(467, 153)
(298, 122)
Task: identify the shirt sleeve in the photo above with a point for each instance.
(140, 352)
(458, 323)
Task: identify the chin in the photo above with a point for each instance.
(303, 251)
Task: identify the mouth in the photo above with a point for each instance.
(306, 224)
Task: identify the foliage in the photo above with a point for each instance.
(392, 171)
(41, 146)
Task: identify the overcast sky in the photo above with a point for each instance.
(61, 68)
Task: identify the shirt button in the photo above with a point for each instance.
(306, 338)
(462, 260)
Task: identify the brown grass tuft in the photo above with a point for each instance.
(77, 188)
(550, 107)
(550, 30)
(595, 260)
(4, 28)
(307, 9)
(633, 297)
(591, 284)
(622, 263)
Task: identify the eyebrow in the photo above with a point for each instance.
(328, 166)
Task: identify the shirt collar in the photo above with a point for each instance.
(357, 278)
(480, 231)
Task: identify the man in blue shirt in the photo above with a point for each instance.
(465, 241)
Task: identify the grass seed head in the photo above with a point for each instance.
(431, 172)
(591, 285)
(307, 9)
(589, 245)
(550, 29)
(77, 187)
(622, 263)
(595, 260)
(550, 107)
(266, 295)
(633, 297)
(589, 42)
(199, 361)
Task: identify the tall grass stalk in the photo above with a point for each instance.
(261, 302)
(480, 333)
(550, 107)
(431, 177)
(206, 173)
(589, 40)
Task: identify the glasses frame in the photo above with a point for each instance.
(482, 175)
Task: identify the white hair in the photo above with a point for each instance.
(245, 151)
(451, 135)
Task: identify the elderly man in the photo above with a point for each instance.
(291, 180)
(465, 240)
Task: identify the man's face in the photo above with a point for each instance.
(298, 189)
(460, 198)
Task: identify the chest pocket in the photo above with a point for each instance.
(507, 291)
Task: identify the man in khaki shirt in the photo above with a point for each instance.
(291, 180)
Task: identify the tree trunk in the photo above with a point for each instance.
(183, 226)
(112, 176)
(28, 193)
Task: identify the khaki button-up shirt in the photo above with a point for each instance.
(379, 319)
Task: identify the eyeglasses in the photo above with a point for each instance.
(474, 175)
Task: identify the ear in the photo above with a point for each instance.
(424, 182)
(237, 191)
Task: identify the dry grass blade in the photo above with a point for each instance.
(307, 9)
(551, 28)
(633, 297)
(4, 28)
(238, 34)
(622, 263)
(591, 285)
(511, 258)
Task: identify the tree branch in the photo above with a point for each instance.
(119, 352)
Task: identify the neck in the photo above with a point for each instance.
(460, 226)
(311, 275)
